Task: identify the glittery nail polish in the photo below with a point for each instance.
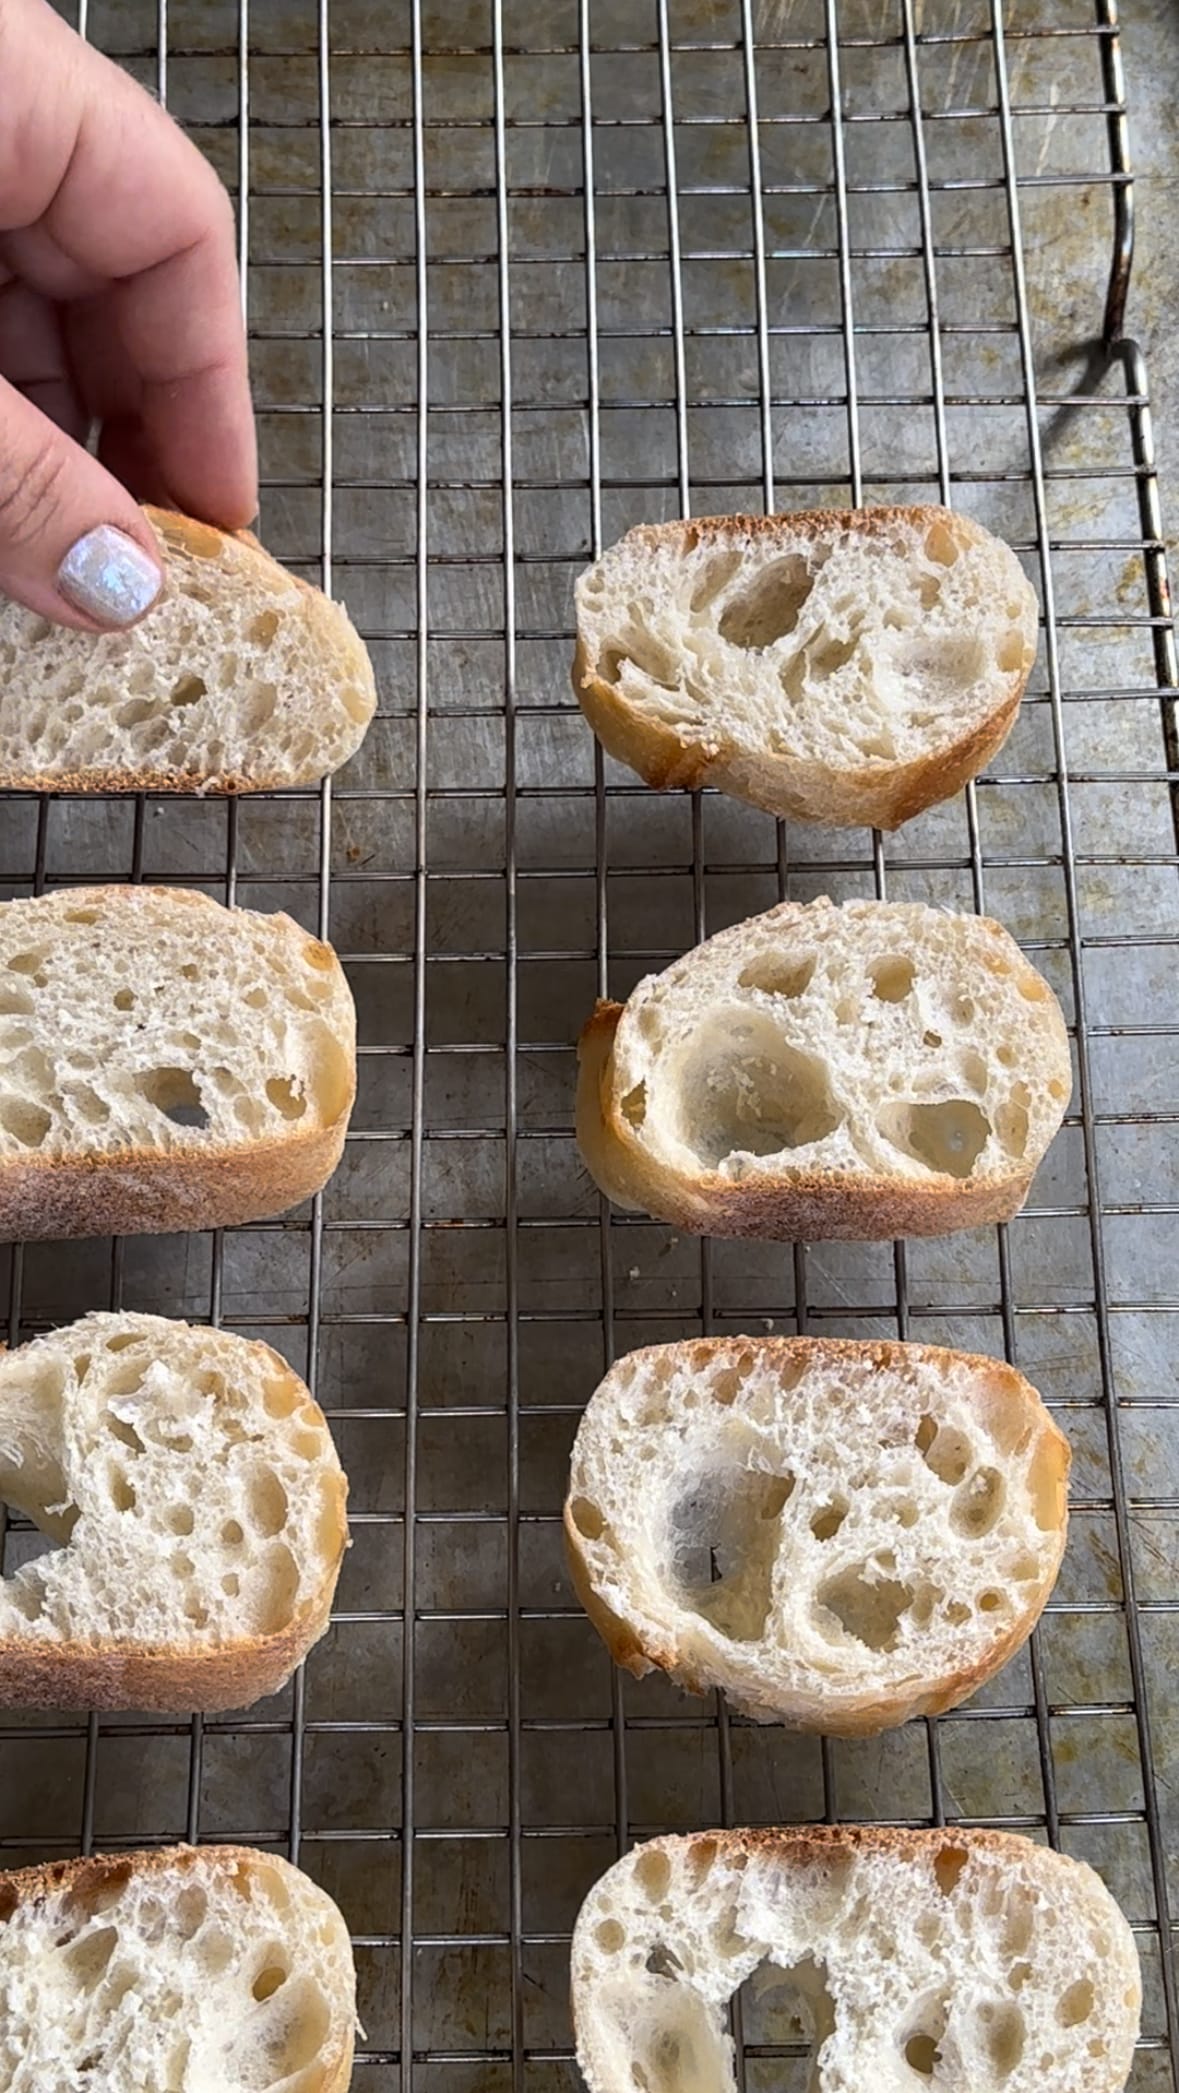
(109, 576)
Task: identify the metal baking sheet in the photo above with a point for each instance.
(522, 273)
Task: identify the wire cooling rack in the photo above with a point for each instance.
(518, 276)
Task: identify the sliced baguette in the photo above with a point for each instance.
(874, 1070)
(165, 1063)
(185, 1968)
(849, 667)
(242, 679)
(839, 1535)
(963, 1959)
(196, 1488)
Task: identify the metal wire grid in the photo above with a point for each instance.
(455, 1294)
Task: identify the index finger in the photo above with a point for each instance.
(126, 199)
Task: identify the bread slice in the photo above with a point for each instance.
(964, 1959)
(242, 679)
(848, 666)
(839, 1535)
(196, 1490)
(875, 1070)
(165, 1063)
(184, 1968)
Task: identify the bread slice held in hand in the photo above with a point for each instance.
(847, 666)
(872, 1070)
(185, 1967)
(964, 1959)
(165, 1063)
(839, 1535)
(241, 679)
(196, 1494)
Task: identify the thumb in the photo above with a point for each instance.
(74, 545)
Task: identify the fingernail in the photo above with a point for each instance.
(109, 576)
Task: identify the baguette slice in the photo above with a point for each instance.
(184, 1968)
(874, 1070)
(963, 1959)
(848, 667)
(165, 1063)
(242, 679)
(839, 1535)
(196, 1487)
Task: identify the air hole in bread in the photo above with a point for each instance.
(287, 1096)
(653, 1873)
(701, 1861)
(1012, 656)
(124, 999)
(634, 1105)
(122, 1491)
(88, 1105)
(922, 2054)
(826, 658)
(233, 1533)
(1004, 2034)
(826, 1522)
(723, 1542)
(714, 577)
(1076, 2004)
(941, 546)
(948, 1863)
(86, 1959)
(124, 1431)
(946, 1451)
(745, 1092)
(644, 653)
(777, 974)
(662, 1962)
(770, 609)
(784, 2007)
(978, 1503)
(16, 1002)
(26, 1122)
(329, 1078)
(947, 1138)
(281, 1573)
(186, 690)
(268, 1503)
(173, 1092)
(180, 1519)
(1011, 1120)
(610, 1936)
(261, 630)
(269, 1980)
(869, 1610)
(587, 1518)
(892, 979)
(134, 712)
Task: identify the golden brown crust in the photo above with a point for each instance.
(86, 1880)
(112, 1677)
(999, 1386)
(336, 634)
(804, 1207)
(165, 1191)
(879, 795)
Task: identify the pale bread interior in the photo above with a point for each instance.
(152, 1019)
(189, 1475)
(877, 1039)
(851, 641)
(241, 674)
(820, 1529)
(937, 1959)
(192, 1970)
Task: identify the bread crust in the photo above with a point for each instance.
(111, 1677)
(883, 795)
(336, 634)
(836, 1714)
(86, 1879)
(799, 1206)
(164, 1191)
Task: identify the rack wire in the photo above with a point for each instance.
(518, 275)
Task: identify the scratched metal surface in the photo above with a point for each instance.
(719, 296)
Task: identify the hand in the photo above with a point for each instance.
(119, 304)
